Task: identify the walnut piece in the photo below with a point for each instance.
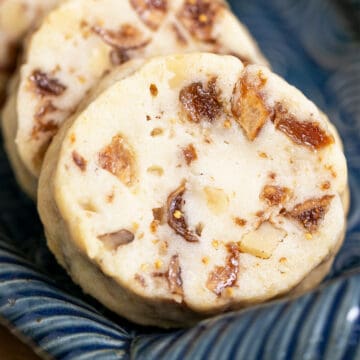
(46, 85)
(263, 241)
(113, 240)
(119, 159)
(248, 107)
(310, 213)
(217, 200)
(201, 102)
(306, 133)
(225, 276)
(173, 276)
(151, 12)
(176, 217)
(198, 17)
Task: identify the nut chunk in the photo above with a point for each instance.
(173, 276)
(119, 159)
(305, 133)
(225, 276)
(311, 212)
(216, 199)
(176, 217)
(45, 85)
(199, 102)
(249, 108)
(198, 17)
(263, 241)
(113, 240)
(151, 12)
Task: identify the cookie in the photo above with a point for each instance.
(194, 186)
(17, 18)
(83, 39)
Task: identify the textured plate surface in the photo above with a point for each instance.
(315, 45)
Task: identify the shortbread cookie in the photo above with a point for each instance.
(9, 126)
(83, 39)
(17, 17)
(191, 187)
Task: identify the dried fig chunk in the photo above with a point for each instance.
(48, 127)
(46, 85)
(274, 195)
(153, 90)
(248, 107)
(225, 276)
(306, 133)
(239, 221)
(79, 161)
(263, 241)
(173, 276)
(127, 38)
(113, 240)
(190, 154)
(151, 12)
(176, 217)
(201, 102)
(119, 159)
(310, 213)
(198, 17)
(158, 214)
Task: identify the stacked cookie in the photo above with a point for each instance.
(179, 177)
(17, 19)
(82, 40)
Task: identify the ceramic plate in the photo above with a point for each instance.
(315, 45)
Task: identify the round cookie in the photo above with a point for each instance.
(191, 187)
(9, 127)
(83, 39)
(17, 18)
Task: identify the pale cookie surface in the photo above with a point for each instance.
(17, 17)
(83, 39)
(9, 127)
(192, 187)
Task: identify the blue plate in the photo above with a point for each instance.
(315, 45)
